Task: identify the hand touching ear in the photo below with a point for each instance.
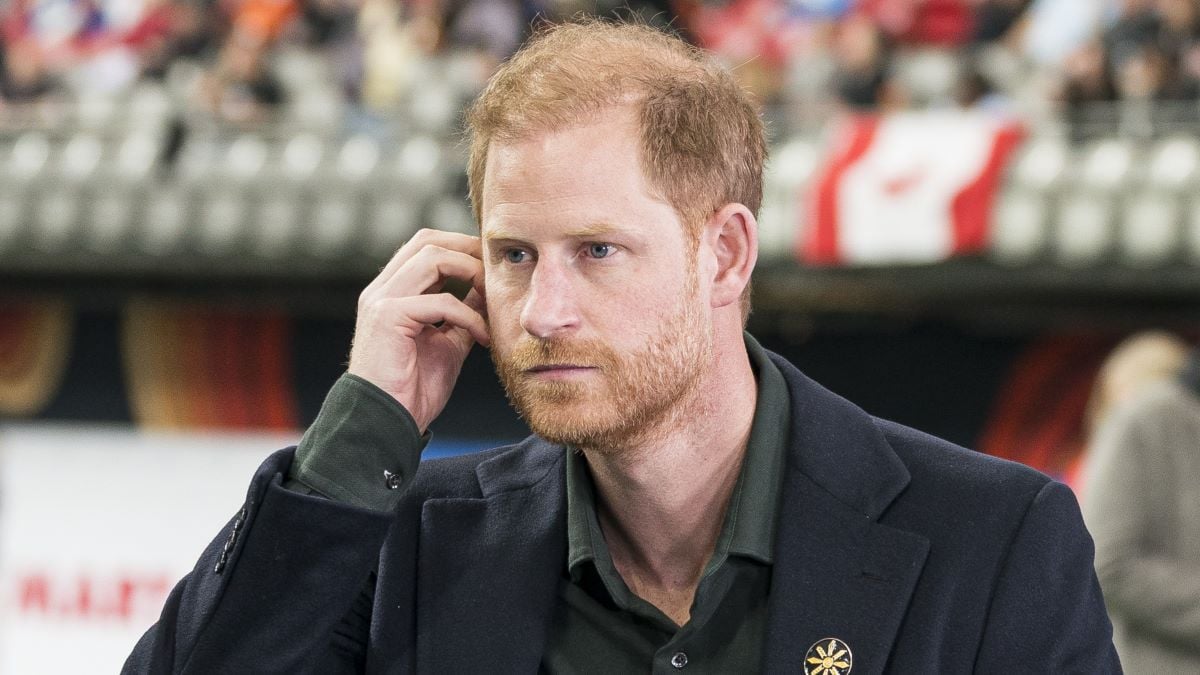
(410, 339)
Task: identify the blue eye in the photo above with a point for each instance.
(515, 255)
(600, 250)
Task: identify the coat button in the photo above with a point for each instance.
(679, 660)
(392, 480)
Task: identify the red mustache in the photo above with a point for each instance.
(544, 354)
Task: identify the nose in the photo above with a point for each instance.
(549, 310)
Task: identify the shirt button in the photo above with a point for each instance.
(392, 480)
(679, 660)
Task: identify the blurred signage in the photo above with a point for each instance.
(97, 524)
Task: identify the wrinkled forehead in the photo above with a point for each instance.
(588, 171)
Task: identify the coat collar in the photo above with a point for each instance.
(839, 447)
(838, 572)
(489, 567)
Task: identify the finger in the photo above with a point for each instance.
(453, 241)
(429, 269)
(476, 301)
(416, 312)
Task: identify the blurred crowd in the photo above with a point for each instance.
(231, 57)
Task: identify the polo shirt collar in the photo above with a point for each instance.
(751, 518)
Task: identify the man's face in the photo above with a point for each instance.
(600, 327)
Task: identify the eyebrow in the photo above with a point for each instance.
(589, 231)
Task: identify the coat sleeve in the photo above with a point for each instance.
(1047, 614)
(1131, 505)
(274, 591)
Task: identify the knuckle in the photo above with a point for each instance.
(433, 251)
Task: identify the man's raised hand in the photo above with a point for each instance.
(410, 339)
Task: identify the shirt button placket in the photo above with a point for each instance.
(679, 660)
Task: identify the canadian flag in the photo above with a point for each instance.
(907, 188)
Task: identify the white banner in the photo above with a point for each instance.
(96, 525)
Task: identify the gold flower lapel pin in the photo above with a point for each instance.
(828, 656)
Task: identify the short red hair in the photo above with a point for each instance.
(703, 143)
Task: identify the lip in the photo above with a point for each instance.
(559, 371)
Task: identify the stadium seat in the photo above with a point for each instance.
(391, 222)
(302, 156)
(168, 219)
(198, 159)
(222, 221)
(246, 157)
(137, 157)
(1107, 164)
(929, 75)
(434, 107)
(1041, 163)
(788, 172)
(1173, 163)
(28, 158)
(96, 111)
(333, 224)
(1084, 232)
(111, 221)
(12, 216)
(1150, 229)
(277, 222)
(1191, 233)
(1019, 227)
(56, 219)
(149, 108)
(81, 158)
(358, 159)
(417, 169)
(452, 214)
(318, 109)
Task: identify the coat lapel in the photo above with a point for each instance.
(489, 568)
(838, 573)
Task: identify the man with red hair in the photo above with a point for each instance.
(689, 501)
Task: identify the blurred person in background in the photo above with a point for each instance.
(240, 87)
(24, 77)
(1054, 29)
(863, 78)
(941, 23)
(1087, 77)
(493, 27)
(1140, 360)
(172, 31)
(995, 19)
(1141, 497)
(395, 36)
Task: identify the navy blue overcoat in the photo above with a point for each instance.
(920, 556)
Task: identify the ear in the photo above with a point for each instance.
(731, 234)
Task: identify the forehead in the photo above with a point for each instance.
(580, 175)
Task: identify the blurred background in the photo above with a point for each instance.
(969, 203)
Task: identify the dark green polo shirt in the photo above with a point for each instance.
(599, 624)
